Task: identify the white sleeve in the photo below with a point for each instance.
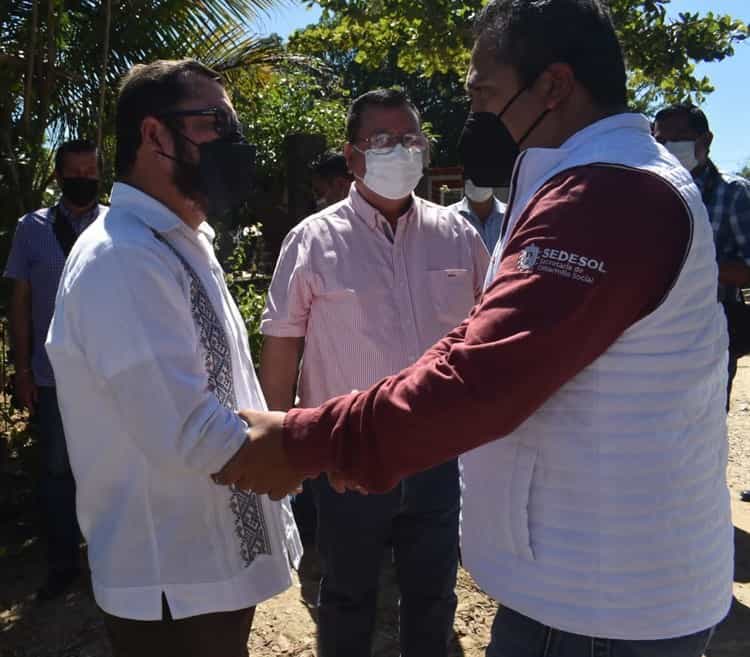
(135, 328)
(290, 294)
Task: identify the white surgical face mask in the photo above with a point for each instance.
(684, 151)
(477, 194)
(393, 175)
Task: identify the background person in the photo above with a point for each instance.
(481, 208)
(331, 179)
(41, 243)
(684, 131)
(362, 289)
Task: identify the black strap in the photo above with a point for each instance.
(66, 236)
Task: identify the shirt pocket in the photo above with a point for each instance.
(452, 294)
(499, 479)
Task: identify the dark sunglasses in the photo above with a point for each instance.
(226, 125)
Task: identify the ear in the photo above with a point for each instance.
(709, 137)
(348, 153)
(555, 85)
(342, 186)
(356, 165)
(155, 136)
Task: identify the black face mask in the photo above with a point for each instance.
(488, 150)
(223, 176)
(81, 192)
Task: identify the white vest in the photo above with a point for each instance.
(606, 513)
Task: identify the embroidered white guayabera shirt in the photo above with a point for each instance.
(151, 358)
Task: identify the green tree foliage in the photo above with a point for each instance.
(434, 37)
(423, 38)
(745, 171)
(662, 52)
(440, 95)
(60, 63)
(298, 97)
(247, 282)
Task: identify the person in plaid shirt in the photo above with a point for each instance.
(684, 130)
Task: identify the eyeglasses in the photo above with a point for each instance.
(226, 125)
(384, 142)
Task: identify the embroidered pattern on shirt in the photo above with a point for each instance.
(249, 522)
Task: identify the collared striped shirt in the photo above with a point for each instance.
(369, 300)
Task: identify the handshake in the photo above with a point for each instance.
(262, 465)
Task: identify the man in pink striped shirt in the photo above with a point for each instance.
(363, 288)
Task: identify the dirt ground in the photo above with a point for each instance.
(285, 627)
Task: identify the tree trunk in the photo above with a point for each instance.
(38, 178)
(29, 86)
(103, 82)
(14, 173)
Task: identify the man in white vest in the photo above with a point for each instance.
(586, 389)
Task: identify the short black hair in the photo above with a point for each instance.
(529, 35)
(330, 165)
(75, 146)
(389, 98)
(696, 118)
(149, 90)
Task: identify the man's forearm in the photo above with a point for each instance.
(279, 368)
(20, 331)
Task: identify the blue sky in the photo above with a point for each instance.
(725, 108)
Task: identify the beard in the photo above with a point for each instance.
(186, 174)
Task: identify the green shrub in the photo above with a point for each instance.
(247, 283)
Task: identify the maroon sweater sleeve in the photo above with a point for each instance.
(597, 249)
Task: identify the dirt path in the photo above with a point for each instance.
(284, 626)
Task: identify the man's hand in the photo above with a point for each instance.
(735, 273)
(26, 390)
(342, 484)
(260, 464)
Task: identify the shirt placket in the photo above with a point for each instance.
(403, 294)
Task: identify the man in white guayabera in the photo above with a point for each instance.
(152, 361)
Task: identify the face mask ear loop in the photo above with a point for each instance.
(533, 127)
(181, 135)
(511, 101)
